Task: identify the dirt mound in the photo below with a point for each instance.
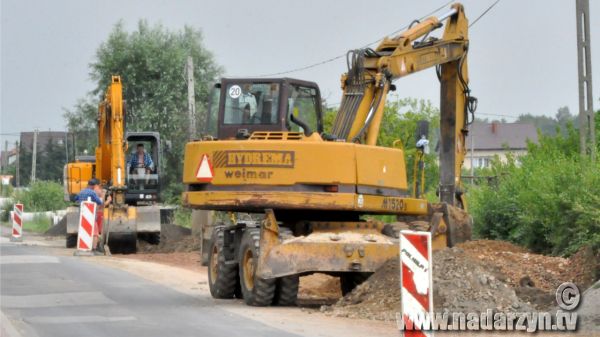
(319, 289)
(173, 238)
(518, 267)
(462, 284)
(474, 276)
(589, 310)
(585, 267)
(59, 229)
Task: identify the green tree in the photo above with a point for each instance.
(42, 196)
(400, 123)
(547, 200)
(51, 162)
(151, 61)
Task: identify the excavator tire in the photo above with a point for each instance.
(286, 291)
(71, 240)
(222, 276)
(286, 288)
(349, 281)
(256, 291)
(122, 243)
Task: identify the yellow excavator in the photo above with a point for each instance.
(267, 154)
(135, 191)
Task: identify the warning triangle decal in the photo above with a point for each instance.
(205, 170)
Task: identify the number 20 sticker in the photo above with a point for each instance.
(235, 91)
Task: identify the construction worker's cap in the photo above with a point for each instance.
(93, 182)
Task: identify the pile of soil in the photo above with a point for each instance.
(173, 238)
(60, 229)
(318, 289)
(475, 276)
(589, 310)
(461, 284)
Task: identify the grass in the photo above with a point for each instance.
(39, 224)
(183, 217)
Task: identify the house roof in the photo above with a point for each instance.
(499, 136)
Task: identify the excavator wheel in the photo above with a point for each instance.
(256, 291)
(286, 288)
(286, 291)
(349, 281)
(222, 276)
(71, 240)
(122, 243)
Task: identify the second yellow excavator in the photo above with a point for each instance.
(268, 154)
(132, 179)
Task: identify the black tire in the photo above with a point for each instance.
(256, 291)
(222, 274)
(122, 243)
(71, 241)
(286, 290)
(349, 281)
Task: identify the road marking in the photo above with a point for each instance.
(17, 259)
(7, 328)
(77, 319)
(54, 300)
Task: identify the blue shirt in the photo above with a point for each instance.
(88, 193)
(133, 160)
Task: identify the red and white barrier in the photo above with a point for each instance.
(17, 220)
(416, 280)
(87, 221)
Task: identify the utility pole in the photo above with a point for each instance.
(17, 174)
(587, 134)
(34, 155)
(5, 157)
(191, 99)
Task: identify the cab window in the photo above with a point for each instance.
(251, 103)
(302, 102)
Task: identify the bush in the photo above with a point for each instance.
(42, 196)
(547, 200)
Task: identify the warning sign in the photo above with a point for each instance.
(205, 171)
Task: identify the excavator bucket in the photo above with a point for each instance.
(332, 247)
(459, 223)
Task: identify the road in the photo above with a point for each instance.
(45, 291)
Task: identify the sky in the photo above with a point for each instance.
(522, 58)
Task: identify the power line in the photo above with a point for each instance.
(484, 13)
(313, 65)
(343, 55)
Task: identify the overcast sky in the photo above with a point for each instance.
(523, 56)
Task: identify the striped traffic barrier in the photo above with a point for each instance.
(416, 303)
(87, 221)
(17, 220)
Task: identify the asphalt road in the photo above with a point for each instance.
(46, 295)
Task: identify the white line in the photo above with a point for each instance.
(19, 259)
(77, 319)
(6, 328)
(54, 300)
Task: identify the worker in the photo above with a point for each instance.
(246, 115)
(140, 159)
(93, 192)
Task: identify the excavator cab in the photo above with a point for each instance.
(241, 106)
(143, 179)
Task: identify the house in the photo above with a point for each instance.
(487, 140)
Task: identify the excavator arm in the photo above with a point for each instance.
(110, 153)
(370, 76)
